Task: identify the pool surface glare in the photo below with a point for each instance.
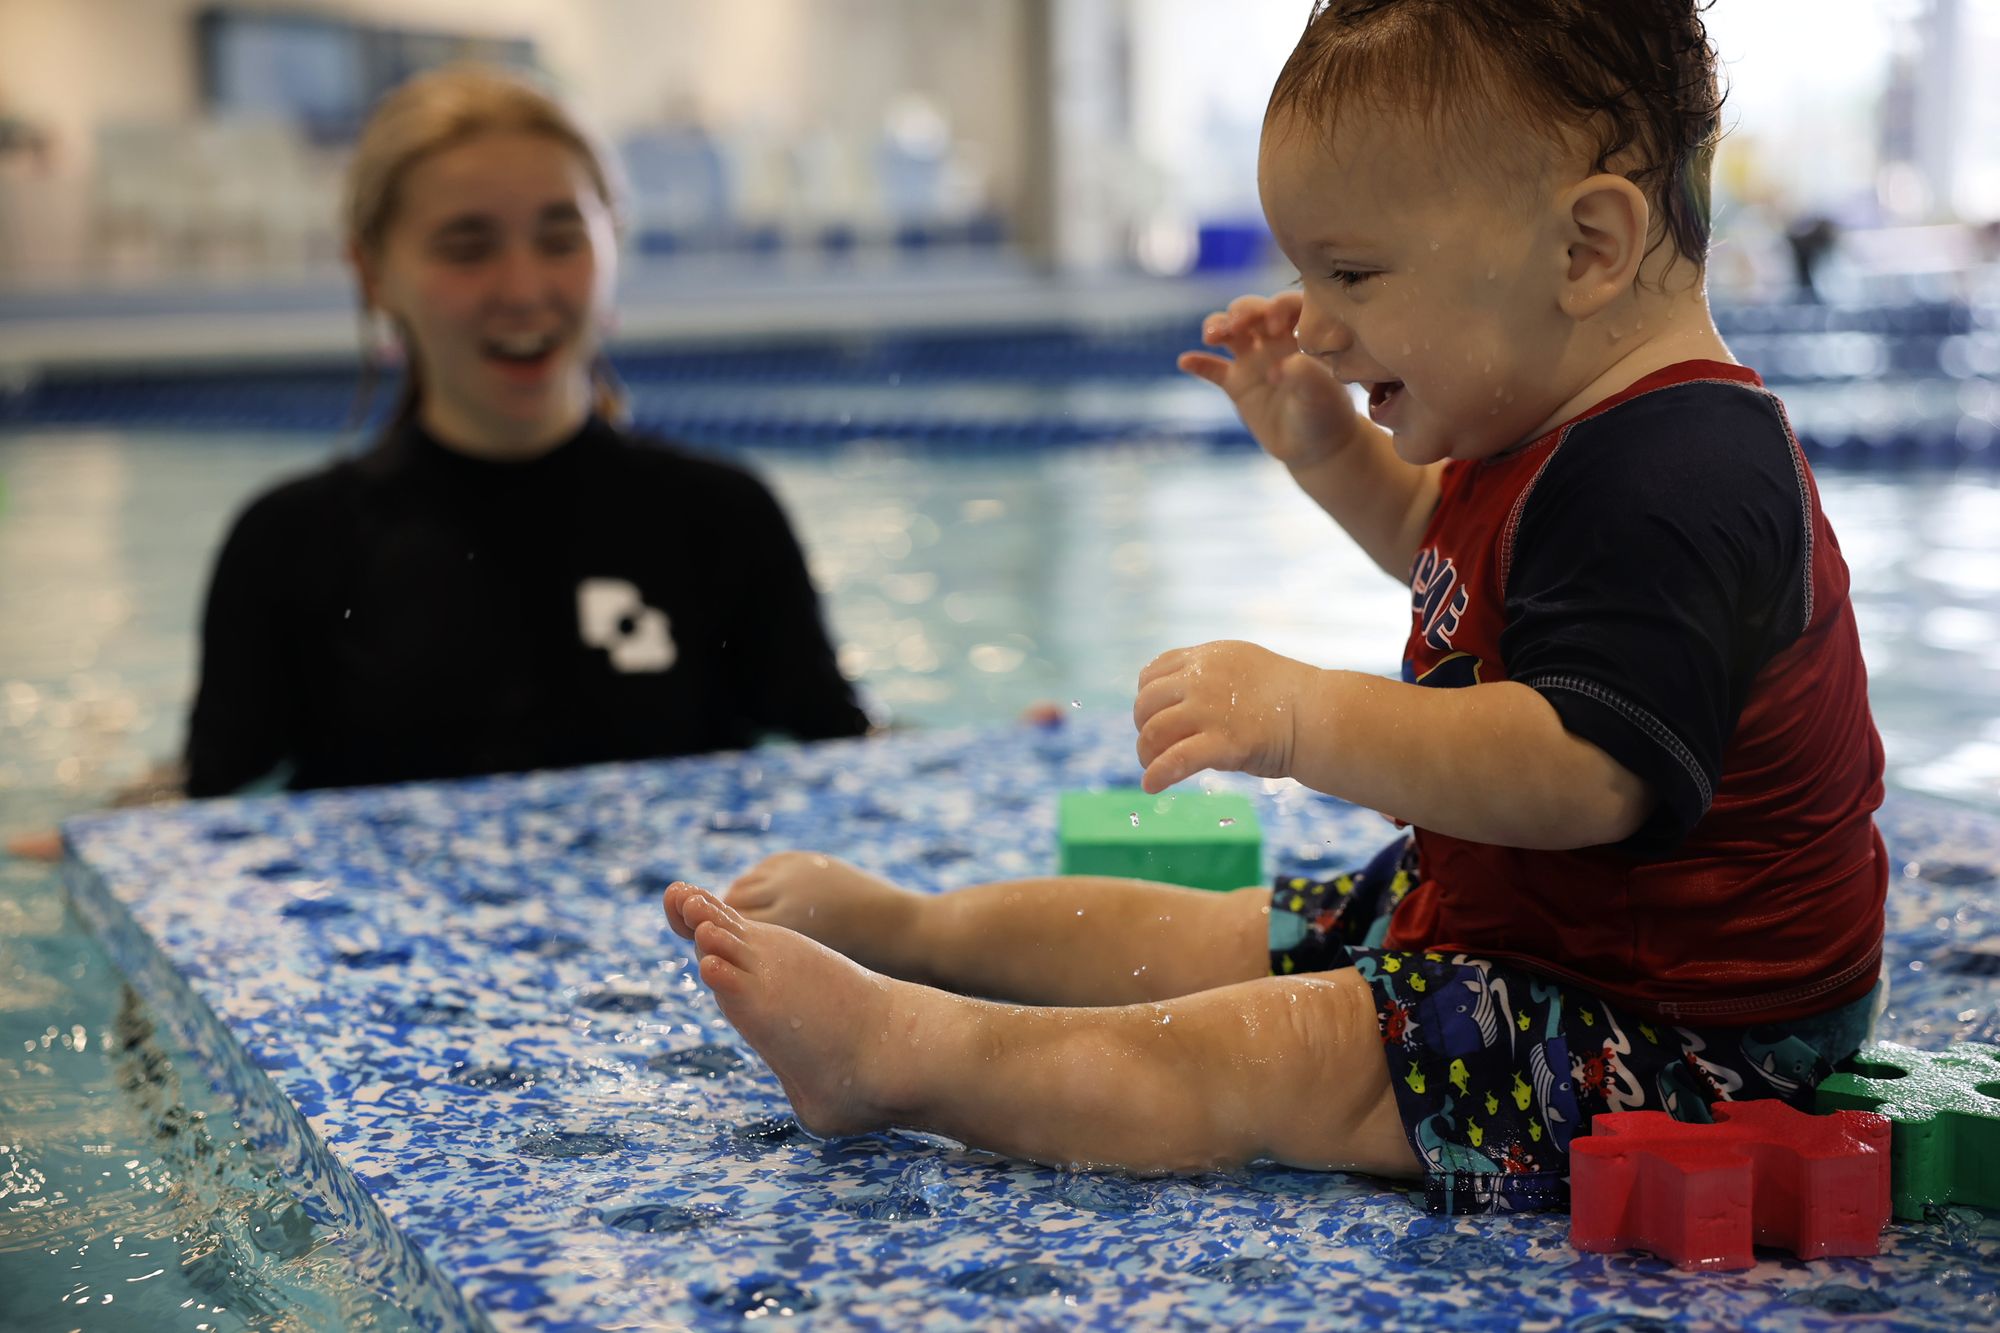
(466, 1026)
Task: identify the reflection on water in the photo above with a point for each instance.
(128, 1199)
(962, 588)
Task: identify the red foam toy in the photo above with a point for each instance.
(1700, 1195)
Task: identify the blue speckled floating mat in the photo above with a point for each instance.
(455, 1014)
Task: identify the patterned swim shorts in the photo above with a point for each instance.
(1496, 1068)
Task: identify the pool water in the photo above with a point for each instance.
(962, 585)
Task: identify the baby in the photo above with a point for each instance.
(1631, 741)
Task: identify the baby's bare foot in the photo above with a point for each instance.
(836, 1034)
(843, 907)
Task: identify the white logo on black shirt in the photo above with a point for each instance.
(611, 615)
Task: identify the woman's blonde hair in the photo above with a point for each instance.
(442, 109)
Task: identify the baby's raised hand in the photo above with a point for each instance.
(1295, 406)
(1225, 705)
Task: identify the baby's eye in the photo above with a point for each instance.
(1350, 277)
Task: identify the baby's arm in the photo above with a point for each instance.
(1304, 417)
(1487, 763)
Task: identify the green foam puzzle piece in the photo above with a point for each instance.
(1944, 1117)
(1199, 839)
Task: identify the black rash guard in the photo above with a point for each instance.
(413, 613)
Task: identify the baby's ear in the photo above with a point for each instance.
(1606, 220)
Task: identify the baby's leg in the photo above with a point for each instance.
(1077, 939)
(1287, 1069)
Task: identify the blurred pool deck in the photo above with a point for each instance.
(312, 318)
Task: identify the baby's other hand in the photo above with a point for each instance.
(1295, 406)
(1226, 705)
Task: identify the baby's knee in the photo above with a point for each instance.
(1333, 1016)
(1345, 1077)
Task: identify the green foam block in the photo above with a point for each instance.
(1201, 840)
(1944, 1120)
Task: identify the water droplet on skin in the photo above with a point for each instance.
(1492, 273)
(847, 1082)
(797, 1023)
(1435, 244)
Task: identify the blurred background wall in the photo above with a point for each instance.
(143, 140)
(157, 136)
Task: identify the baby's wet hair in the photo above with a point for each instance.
(1632, 81)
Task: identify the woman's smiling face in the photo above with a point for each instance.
(1428, 279)
(497, 265)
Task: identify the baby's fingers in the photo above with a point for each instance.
(1281, 316)
(1166, 727)
(1206, 366)
(1164, 665)
(1181, 761)
(1242, 322)
(1155, 697)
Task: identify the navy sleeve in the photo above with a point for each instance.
(1662, 559)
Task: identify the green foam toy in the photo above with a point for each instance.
(1944, 1118)
(1199, 839)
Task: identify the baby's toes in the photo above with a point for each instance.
(701, 908)
(714, 940)
(674, 903)
(751, 893)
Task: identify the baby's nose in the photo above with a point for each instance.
(1321, 335)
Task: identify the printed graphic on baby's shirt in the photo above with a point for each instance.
(1437, 597)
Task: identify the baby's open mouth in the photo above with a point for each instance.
(1382, 392)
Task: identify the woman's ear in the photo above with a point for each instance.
(364, 275)
(1606, 220)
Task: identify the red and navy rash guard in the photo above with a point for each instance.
(1660, 571)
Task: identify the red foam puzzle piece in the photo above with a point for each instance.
(1700, 1196)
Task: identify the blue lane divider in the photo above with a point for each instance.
(287, 408)
(1791, 345)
